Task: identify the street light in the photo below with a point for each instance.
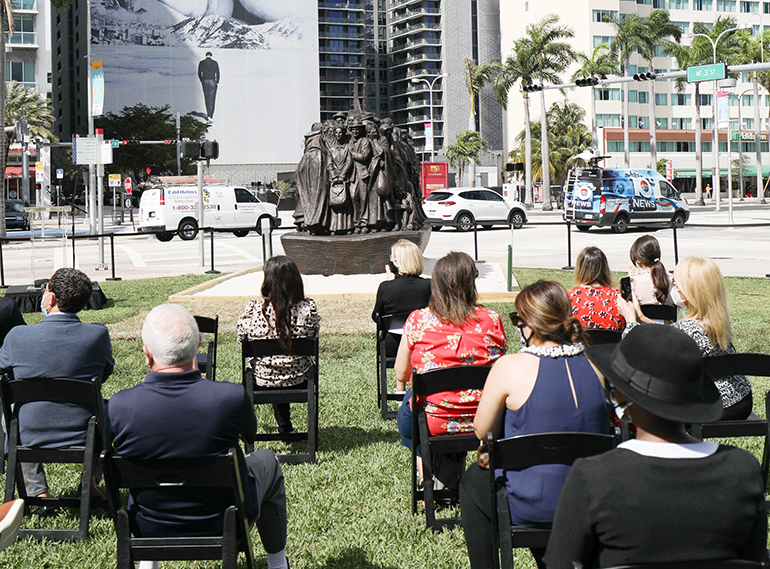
(430, 84)
(715, 129)
(757, 123)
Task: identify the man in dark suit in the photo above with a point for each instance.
(10, 316)
(176, 413)
(208, 73)
(59, 346)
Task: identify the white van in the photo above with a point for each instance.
(172, 209)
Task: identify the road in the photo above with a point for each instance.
(740, 250)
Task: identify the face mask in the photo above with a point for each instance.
(620, 410)
(676, 297)
(393, 267)
(524, 341)
(43, 309)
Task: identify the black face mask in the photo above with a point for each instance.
(393, 267)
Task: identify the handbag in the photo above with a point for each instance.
(338, 193)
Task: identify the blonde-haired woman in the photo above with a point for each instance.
(404, 291)
(699, 287)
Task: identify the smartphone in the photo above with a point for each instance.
(625, 288)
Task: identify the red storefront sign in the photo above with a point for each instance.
(433, 176)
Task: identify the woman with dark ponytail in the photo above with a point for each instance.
(549, 386)
(650, 282)
(282, 314)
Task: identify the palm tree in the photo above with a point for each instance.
(476, 77)
(467, 148)
(598, 65)
(7, 21)
(24, 103)
(519, 67)
(659, 29)
(754, 47)
(553, 56)
(630, 36)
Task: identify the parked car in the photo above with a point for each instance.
(15, 216)
(462, 207)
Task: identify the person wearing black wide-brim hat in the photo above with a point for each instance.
(664, 496)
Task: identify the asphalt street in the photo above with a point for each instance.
(741, 249)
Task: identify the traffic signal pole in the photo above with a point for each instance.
(101, 265)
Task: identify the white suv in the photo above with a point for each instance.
(462, 207)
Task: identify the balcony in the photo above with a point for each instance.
(414, 14)
(415, 44)
(413, 29)
(24, 5)
(341, 22)
(342, 64)
(414, 58)
(344, 35)
(342, 5)
(329, 49)
(23, 39)
(398, 4)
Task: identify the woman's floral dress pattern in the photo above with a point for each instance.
(597, 307)
(435, 344)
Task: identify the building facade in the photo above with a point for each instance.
(674, 109)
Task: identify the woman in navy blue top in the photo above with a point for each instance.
(548, 386)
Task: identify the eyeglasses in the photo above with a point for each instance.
(516, 320)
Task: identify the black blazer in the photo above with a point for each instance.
(402, 295)
(10, 316)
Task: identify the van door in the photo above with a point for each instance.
(247, 208)
(667, 196)
(643, 205)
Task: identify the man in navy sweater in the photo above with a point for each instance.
(177, 413)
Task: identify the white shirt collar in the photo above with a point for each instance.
(670, 450)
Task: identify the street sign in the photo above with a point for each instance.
(84, 150)
(60, 173)
(127, 202)
(706, 72)
(128, 185)
(39, 166)
(39, 176)
(115, 180)
(115, 143)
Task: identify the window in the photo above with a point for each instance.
(21, 72)
(661, 99)
(681, 99)
(662, 123)
(615, 146)
(607, 94)
(639, 146)
(705, 100)
(706, 146)
(733, 100)
(766, 7)
(25, 30)
(604, 15)
(665, 146)
(681, 124)
(749, 7)
(607, 120)
(748, 124)
(644, 97)
(599, 40)
(642, 122)
(244, 196)
(684, 146)
(748, 100)
(632, 69)
(702, 5)
(707, 123)
(722, 147)
(633, 96)
(726, 5)
(658, 51)
(678, 4)
(684, 26)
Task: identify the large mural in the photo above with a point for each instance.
(248, 67)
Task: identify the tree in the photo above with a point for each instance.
(467, 147)
(7, 22)
(658, 29)
(553, 56)
(754, 47)
(24, 103)
(598, 65)
(519, 67)
(141, 122)
(630, 36)
(476, 77)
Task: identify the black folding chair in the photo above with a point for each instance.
(385, 324)
(262, 396)
(204, 473)
(750, 364)
(525, 451)
(16, 392)
(725, 564)
(424, 384)
(667, 312)
(598, 336)
(207, 361)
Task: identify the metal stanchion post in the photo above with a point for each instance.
(676, 249)
(212, 271)
(510, 268)
(569, 266)
(73, 236)
(2, 267)
(475, 241)
(112, 258)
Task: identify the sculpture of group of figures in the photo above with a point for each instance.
(358, 174)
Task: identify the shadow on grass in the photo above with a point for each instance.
(353, 558)
(341, 439)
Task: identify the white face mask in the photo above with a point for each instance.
(620, 410)
(676, 297)
(43, 309)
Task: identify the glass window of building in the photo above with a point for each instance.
(748, 100)
(661, 99)
(662, 123)
(603, 15)
(726, 5)
(766, 7)
(749, 7)
(678, 4)
(644, 97)
(681, 99)
(21, 72)
(642, 122)
(607, 120)
(633, 96)
(705, 100)
(702, 5)
(684, 26)
(599, 40)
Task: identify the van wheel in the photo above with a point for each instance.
(583, 228)
(188, 230)
(620, 225)
(165, 236)
(240, 233)
(678, 220)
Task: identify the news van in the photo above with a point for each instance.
(619, 198)
(172, 210)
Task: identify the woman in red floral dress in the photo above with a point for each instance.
(594, 301)
(453, 330)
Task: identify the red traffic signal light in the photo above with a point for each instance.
(149, 170)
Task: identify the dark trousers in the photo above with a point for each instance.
(209, 95)
(476, 512)
(740, 410)
(265, 473)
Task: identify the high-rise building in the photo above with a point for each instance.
(429, 43)
(675, 116)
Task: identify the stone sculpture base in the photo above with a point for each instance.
(347, 254)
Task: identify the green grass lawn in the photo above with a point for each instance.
(352, 508)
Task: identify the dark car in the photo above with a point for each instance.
(15, 216)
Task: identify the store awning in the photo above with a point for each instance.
(704, 174)
(12, 172)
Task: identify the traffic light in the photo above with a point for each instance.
(38, 186)
(200, 149)
(530, 87)
(210, 149)
(587, 82)
(129, 142)
(645, 76)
